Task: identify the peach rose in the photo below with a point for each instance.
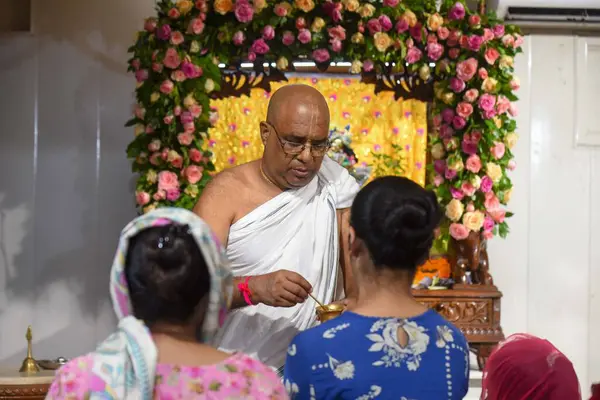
(466, 70)
(489, 85)
(471, 95)
(149, 208)
(491, 202)
(437, 151)
(498, 150)
(491, 55)
(454, 210)
(259, 5)
(468, 189)
(185, 139)
(410, 17)
(464, 110)
(154, 145)
(356, 67)
(473, 220)
(459, 231)
(506, 62)
(305, 5)
(498, 215)
(159, 195)
(351, 5)
(177, 38)
(223, 6)
(142, 198)
(515, 83)
(317, 24)
(167, 180)
(434, 22)
(507, 196)
(184, 6)
(193, 174)
(282, 63)
(139, 129)
(357, 38)
(382, 41)
(494, 172)
(366, 10)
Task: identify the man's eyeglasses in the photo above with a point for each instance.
(293, 149)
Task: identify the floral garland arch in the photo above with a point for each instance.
(465, 59)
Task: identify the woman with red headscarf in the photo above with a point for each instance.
(525, 367)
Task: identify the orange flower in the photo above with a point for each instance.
(305, 5)
(223, 6)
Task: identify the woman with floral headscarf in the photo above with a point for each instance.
(525, 367)
(171, 286)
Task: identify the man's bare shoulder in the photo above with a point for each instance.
(235, 180)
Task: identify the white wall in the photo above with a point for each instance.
(66, 189)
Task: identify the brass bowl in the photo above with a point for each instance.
(329, 311)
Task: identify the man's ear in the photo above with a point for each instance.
(354, 243)
(264, 133)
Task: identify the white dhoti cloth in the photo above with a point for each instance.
(297, 231)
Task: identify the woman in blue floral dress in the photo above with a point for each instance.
(386, 345)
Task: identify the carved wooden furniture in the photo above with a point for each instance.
(474, 309)
(16, 385)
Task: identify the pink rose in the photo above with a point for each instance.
(459, 122)
(288, 38)
(177, 162)
(174, 13)
(457, 12)
(432, 38)
(515, 84)
(155, 158)
(487, 102)
(482, 73)
(402, 25)
(142, 198)
(164, 32)
(259, 47)
(193, 174)
(156, 67)
(177, 111)
(468, 189)
(185, 139)
(385, 22)
(513, 110)
(368, 65)
(268, 32)
(512, 164)
(159, 195)
(474, 20)
(280, 10)
(167, 180)
(475, 42)
(471, 95)
(519, 40)
(466, 70)
(489, 114)
(196, 26)
(178, 76)
(304, 36)
(135, 63)
(337, 32)
(470, 207)
(491, 55)
(464, 109)
(491, 202)
(166, 87)
(498, 31)
(333, 10)
(446, 131)
(502, 104)
(417, 32)
(336, 45)
(413, 55)
(391, 3)
(139, 111)
(439, 166)
(488, 224)
(438, 180)
(469, 144)
(195, 110)
(443, 33)
(191, 70)
(459, 231)
(168, 119)
(374, 26)
(437, 120)
(238, 38)
(300, 23)
(486, 184)
(450, 174)
(244, 12)
(447, 115)
(141, 75)
(189, 127)
(457, 85)
(454, 53)
(251, 56)
(173, 194)
(320, 55)
(508, 41)
(435, 51)
(456, 193)
(172, 59)
(473, 163)
(487, 235)
(154, 145)
(488, 35)
(498, 215)
(195, 155)
(150, 24)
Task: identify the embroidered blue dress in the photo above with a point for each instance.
(359, 357)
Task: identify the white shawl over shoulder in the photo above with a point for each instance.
(297, 231)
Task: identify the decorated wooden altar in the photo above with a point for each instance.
(451, 65)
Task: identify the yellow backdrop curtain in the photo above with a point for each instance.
(376, 123)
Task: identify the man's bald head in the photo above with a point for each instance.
(298, 117)
(291, 99)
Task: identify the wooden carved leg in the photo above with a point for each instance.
(483, 351)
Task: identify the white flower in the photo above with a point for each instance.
(209, 85)
(444, 336)
(343, 370)
(292, 350)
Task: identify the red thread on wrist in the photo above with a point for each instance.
(245, 291)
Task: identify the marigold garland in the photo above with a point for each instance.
(175, 62)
